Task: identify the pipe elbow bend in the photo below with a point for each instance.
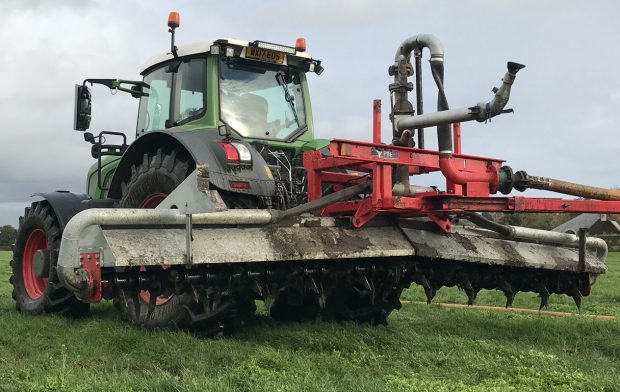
(452, 173)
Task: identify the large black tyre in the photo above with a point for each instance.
(39, 233)
(149, 183)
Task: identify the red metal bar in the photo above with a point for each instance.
(90, 263)
(376, 121)
(456, 130)
(470, 182)
(342, 178)
(456, 204)
(342, 147)
(453, 188)
(310, 159)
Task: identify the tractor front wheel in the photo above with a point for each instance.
(36, 288)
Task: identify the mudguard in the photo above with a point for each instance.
(202, 146)
(65, 204)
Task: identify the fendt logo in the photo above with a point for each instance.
(384, 153)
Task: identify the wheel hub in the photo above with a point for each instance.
(41, 263)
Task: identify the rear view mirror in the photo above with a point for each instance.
(81, 119)
(225, 130)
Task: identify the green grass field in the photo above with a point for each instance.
(425, 348)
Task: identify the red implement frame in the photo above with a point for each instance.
(90, 263)
(376, 162)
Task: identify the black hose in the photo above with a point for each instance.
(323, 202)
(444, 132)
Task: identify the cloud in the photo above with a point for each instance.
(565, 101)
(19, 6)
(333, 15)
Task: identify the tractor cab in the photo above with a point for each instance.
(256, 89)
(205, 92)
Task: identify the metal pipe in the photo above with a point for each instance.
(69, 254)
(73, 277)
(376, 121)
(480, 112)
(445, 117)
(418, 93)
(452, 173)
(188, 238)
(401, 189)
(456, 136)
(401, 71)
(420, 42)
(538, 236)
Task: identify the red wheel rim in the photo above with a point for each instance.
(153, 201)
(35, 287)
(146, 295)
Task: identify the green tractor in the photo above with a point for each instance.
(211, 207)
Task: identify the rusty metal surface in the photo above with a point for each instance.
(524, 181)
(471, 246)
(252, 244)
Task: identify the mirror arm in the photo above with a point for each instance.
(117, 84)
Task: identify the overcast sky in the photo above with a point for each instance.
(566, 101)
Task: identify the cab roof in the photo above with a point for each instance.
(203, 47)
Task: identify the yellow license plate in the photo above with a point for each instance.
(265, 55)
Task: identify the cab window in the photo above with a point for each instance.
(189, 97)
(173, 98)
(155, 104)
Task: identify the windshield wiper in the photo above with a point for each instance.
(280, 78)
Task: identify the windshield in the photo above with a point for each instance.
(262, 103)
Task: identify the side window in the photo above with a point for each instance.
(189, 96)
(155, 107)
(190, 87)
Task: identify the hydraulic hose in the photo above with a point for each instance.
(323, 202)
(444, 130)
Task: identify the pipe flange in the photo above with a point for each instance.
(505, 180)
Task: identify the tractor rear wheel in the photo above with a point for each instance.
(36, 289)
(148, 185)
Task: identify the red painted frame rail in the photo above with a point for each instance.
(352, 162)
